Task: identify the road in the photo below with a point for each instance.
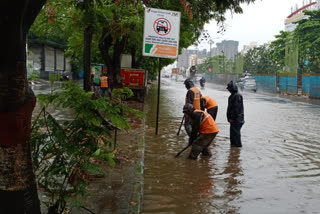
(276, 171)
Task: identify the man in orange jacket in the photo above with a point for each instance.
(210, 104)
(192, 97)
(104, 86)
(204, 130)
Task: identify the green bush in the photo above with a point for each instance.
(63, 150)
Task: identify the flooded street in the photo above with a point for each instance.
(276, 171)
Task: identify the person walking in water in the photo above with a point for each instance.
(210, 104)
(204, 130)
(235, 114)
(192, 97)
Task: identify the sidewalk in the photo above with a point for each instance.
(120, 191)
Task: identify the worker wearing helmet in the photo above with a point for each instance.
(192, 97)
(204, 130)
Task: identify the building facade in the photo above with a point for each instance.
(228, 48)
(297, 14)
(47, 58)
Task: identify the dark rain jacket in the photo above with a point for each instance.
(235, 113)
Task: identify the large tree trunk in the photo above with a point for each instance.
(113, 62)
(87, 58)
(18, 192)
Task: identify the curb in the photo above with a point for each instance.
(137, 195)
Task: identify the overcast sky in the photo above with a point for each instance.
(259, 22)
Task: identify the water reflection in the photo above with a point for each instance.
(234, 172)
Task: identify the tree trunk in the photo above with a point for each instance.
(17, 180)
(113, 62)
(87, 58)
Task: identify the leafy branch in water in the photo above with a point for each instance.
(64, 150)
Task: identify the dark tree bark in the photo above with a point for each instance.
(87, 58)
(113, 60)
(17, 180)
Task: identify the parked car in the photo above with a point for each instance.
(247, 83)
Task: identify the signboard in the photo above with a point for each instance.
(131, 78)
(161, 33)
(175, 71)
(96, 71)
(134, 78)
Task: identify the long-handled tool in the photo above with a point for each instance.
(180, 125)
(179, 153)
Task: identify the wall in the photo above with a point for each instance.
(311, 85)
(48, 60)
(288, 84)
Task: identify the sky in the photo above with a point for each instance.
(259, 22)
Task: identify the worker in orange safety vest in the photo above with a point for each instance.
(204, 130)
(104, 86)
(192, 97)
(210, 105)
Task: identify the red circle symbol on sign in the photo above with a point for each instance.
(162, 26)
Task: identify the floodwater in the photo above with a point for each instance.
(44, 87)
(276, 171)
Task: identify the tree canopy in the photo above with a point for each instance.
(307, 33)
(112, 23)
(257, 60)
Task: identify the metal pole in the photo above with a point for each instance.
(158, 100)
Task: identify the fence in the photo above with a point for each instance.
(306, 84)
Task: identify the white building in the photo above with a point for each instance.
(297, 14)
(246, 48)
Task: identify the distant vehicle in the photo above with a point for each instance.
(247, 83)
(180, 78)
(198, 77)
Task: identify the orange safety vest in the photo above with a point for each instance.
(196, 98)
(104, 82)
(207, 125)
(210, 103)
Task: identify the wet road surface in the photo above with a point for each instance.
(276, 171)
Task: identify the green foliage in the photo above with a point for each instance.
(218, 64)
(277, 49)
(215, 63)
(239, 62)
(307, 32)
(33, 76)
(65, 20)
(258, 61)
(54, 77)
(291, 56)
(64, 150)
